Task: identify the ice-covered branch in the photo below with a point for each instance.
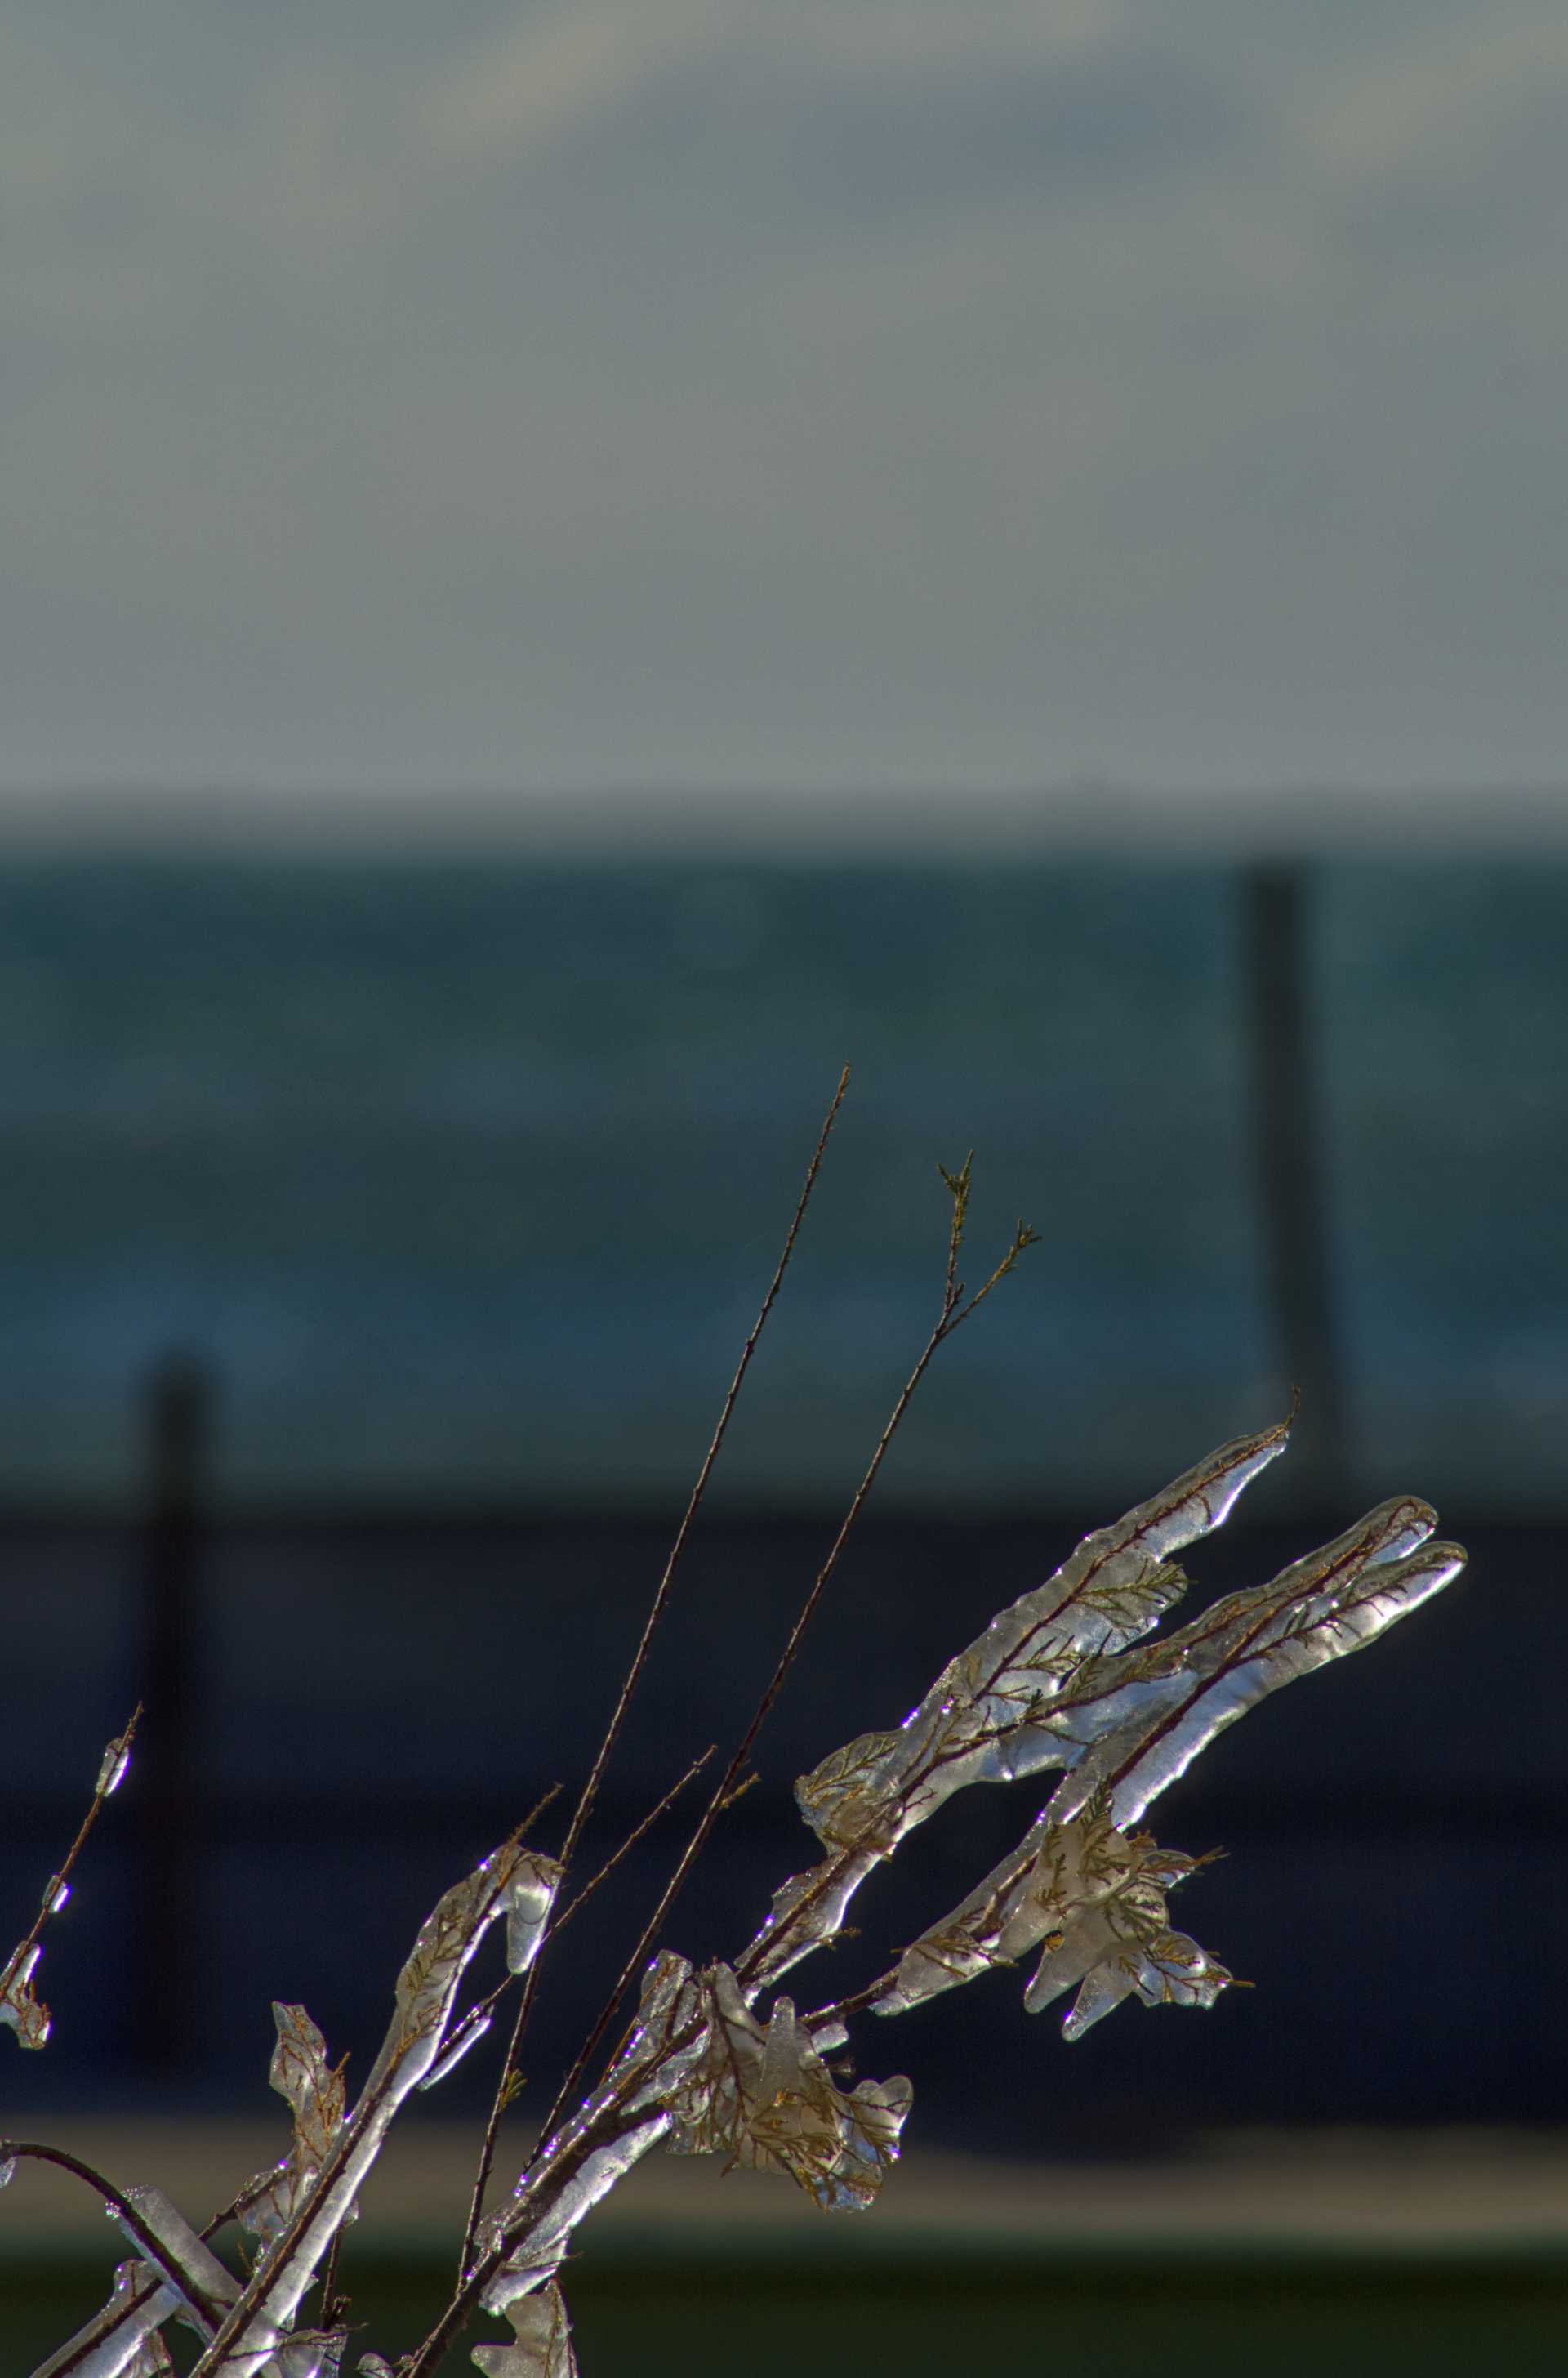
(991, 1715)
(512, 1882)
(20, 2009)
(298, 2208)
(1066, 1677)
(1071, 1676)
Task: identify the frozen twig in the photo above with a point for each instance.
(19, 2008)
(1073, 1677)
(953, 1310)
(506, 2085)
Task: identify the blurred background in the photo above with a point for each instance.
(567, 571)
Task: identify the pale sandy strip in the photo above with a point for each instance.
(1371, 2190)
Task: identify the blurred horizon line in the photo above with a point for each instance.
(776, 822)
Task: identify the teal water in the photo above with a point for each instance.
(466, 1178)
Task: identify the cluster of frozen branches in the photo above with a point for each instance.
(1072, 1679)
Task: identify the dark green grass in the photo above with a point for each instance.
(1209, 2315)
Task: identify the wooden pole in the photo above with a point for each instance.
(1289, 1172)
(165, 2000)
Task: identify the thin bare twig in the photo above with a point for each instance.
(649, 1822)
(660, 1599)
(111, 1768)
(328, 2283)
(505, 2086)
(954, 1310)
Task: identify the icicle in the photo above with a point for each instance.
(469, 2033)
(530, 1897)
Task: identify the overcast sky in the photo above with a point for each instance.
(821, 392)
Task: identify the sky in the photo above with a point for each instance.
(827, 394)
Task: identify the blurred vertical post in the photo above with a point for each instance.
(1289, 1170)
(177, 1399)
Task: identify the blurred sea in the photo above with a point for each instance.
(466, 1177)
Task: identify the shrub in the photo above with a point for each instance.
(1071, 1677)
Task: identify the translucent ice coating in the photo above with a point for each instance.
(611, 2130)
(249, 2342)
(1096, 1898)
(1128, 1725)
(763, 2097)
(542, 2340)
(204, 2288)
(536, 2228)
(1133, 1724)
(189, 2284)
(26, 2014)
(530, 1896)
(697, 2070)
(21, 2010)
(989, 1717)
(122, 2341)
(316, 2093)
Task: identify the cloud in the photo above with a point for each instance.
(559, 69)
(968, 390)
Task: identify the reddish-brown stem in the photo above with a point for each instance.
(122, 1743)
(946, 1323)
(955, 1309)
(649, 1822)
(640, 1659)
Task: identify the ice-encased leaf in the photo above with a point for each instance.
(314, 2088)
(1164, 1968)
(1095, 1898)
(22, 2012)
(764, 2097)
(541, 2346)
(316, 2094)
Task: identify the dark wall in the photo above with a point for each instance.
(372, 1705)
